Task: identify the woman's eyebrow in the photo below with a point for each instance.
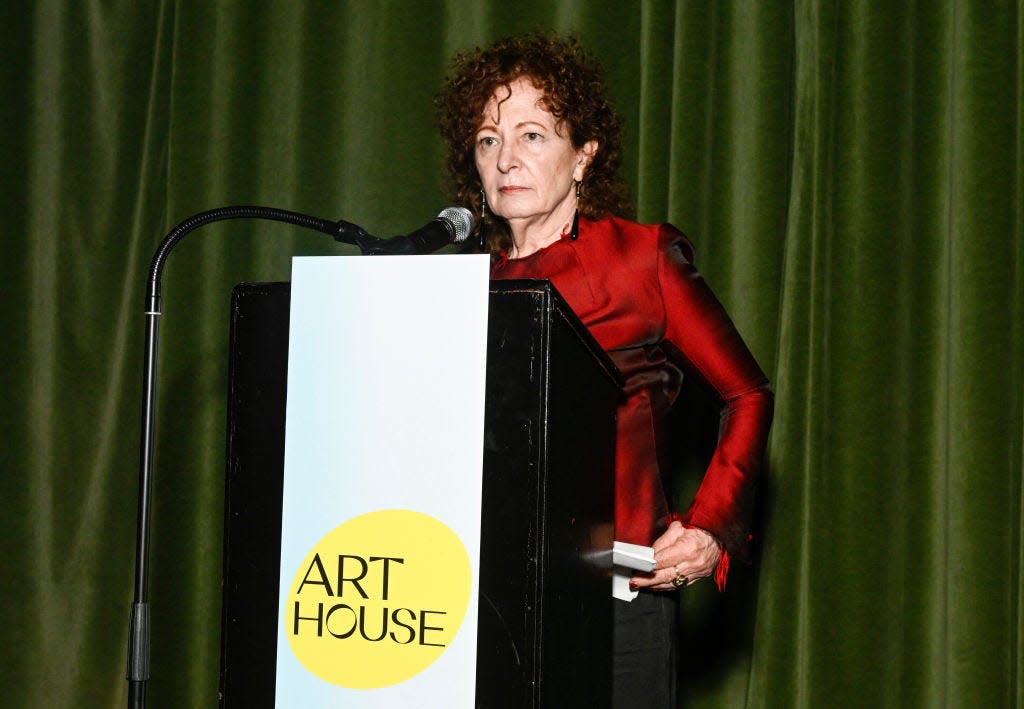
(491, 125)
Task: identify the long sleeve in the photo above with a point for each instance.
(701, 338)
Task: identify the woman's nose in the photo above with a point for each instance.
(507, 158)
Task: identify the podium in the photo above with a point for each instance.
(545, 608)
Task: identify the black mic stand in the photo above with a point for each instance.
(139, 629)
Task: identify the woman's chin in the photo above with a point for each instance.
(511, 213)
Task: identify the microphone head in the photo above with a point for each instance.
(461, 221)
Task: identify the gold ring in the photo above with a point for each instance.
(679, 581)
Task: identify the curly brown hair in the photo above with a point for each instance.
(574, 89)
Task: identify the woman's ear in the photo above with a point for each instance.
(584, 157)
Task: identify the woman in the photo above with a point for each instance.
(534, 148)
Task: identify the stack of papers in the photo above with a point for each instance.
(627, 557)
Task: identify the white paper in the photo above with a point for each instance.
(633, 556)
(626, 558)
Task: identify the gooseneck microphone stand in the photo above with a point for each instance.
(139, 628)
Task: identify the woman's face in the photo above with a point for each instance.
(525, 159)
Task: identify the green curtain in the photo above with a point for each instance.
(852, 174)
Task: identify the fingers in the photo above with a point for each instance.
(666, 579)
(682, 555)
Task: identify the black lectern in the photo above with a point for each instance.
(545, 626)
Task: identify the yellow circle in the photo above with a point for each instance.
(378, 599)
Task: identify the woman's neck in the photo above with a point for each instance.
(531, 237)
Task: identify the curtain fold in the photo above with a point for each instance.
(852, 174)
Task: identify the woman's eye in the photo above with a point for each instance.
(487, 141)
(533, 136)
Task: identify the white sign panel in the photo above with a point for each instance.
(383, 461)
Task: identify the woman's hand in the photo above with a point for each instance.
(680, 553)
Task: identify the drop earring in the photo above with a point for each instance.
(483, 219)
(575, 232)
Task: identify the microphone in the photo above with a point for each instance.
(452, 226)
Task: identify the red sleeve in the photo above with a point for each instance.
(703, 340)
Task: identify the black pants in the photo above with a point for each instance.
(646, 638)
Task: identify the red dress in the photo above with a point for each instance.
(635, 288)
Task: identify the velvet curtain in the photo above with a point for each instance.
(852, 174)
